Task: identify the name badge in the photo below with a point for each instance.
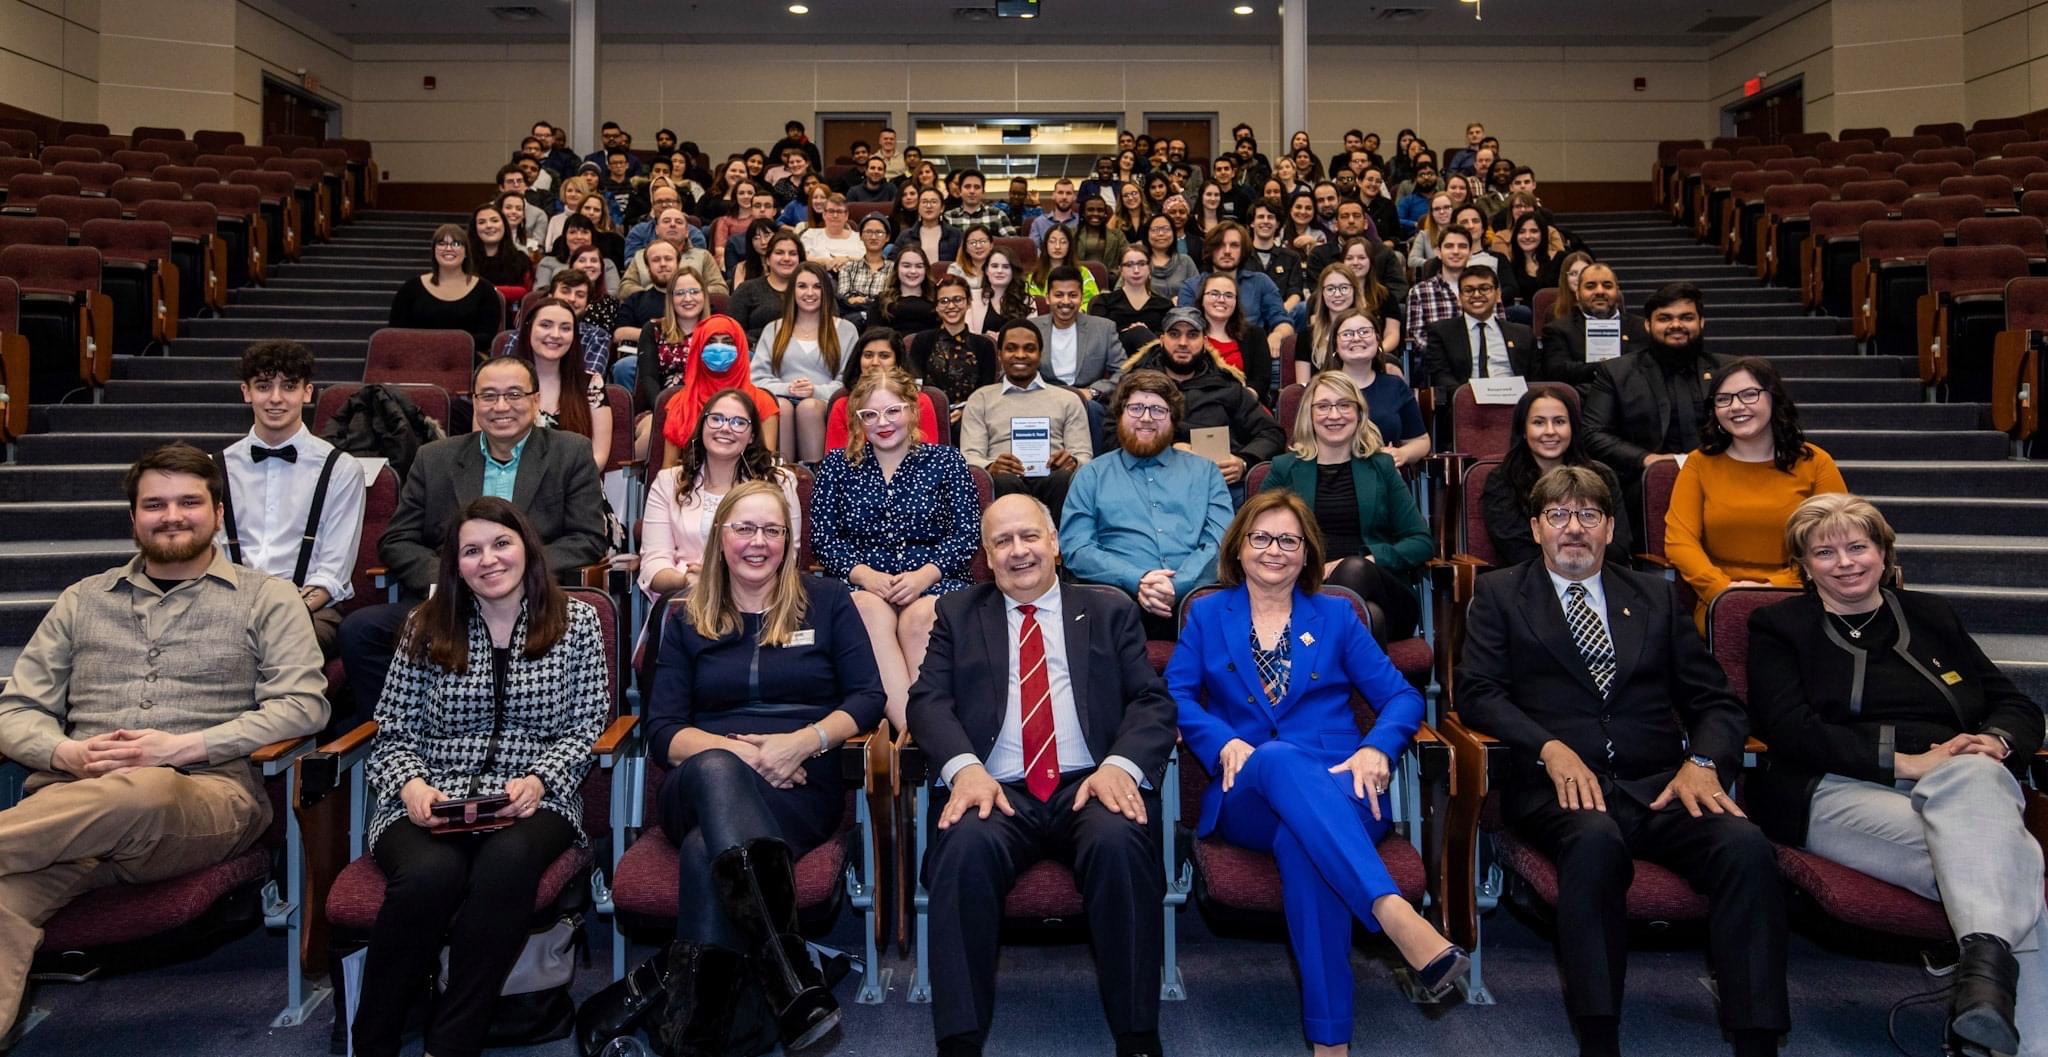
(806, 637)
(1499, 390)
(1951, 678)
(1603, 339)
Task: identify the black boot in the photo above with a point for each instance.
(703, 998)
(1982, 1013)
(623, 1006)
(756, 885)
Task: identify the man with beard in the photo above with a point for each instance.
(1622, 736)
(1597, 298)
(991, 415)
(1646, 406)
(1062, 211)
(1387, 265)
(1414, 205)
(1224, 247)
(136, 706)
(548, 474)
(1213, 394)
(1148, 517)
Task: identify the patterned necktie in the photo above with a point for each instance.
(1591, 638)
(1034, 696)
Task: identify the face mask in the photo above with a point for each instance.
(719, 356)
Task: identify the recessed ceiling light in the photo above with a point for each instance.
(799, 9)
(1241, 9)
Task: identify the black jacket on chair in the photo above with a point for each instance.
(959, 701)
(1448, 356)
(1564, 346)
(1805, 687)
(1521, 680)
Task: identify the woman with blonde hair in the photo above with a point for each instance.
(899, 519)
(759, 676)
(1377, 539)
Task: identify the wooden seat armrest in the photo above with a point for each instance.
(276, 755)
(615, 736)
(1427, 735)
(909, 765)
(865, 758)
(1657, 560)
(1755, 744)
(594, 575)
(1467, 779)
(353, 740)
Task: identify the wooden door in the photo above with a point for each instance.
(289, 113)
(836, 136)
(1772, 117)
(1200, 134)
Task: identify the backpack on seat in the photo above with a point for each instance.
(380, 422)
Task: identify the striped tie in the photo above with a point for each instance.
(1034, 696)
(1591, 637)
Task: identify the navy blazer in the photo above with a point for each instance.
(1215, 682)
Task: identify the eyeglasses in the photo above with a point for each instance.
(736, 423)
(445, 244)
(956, 299)
(1334, 289)
(1558, 517)
(1220, 295)
(1747, 396)
(869, 416)
(1477, 288)
(493, 397)
(747, 530)
(1145, 411)
(1353, 335)
(1288, 542)
(1331, 407)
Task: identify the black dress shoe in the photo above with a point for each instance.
(1444, 972)
(1986, 977)
(623, 1006)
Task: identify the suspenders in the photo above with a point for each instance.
(312, 516)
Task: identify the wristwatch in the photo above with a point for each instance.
(1698, 760)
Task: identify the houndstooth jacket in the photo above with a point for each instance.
(436, 725)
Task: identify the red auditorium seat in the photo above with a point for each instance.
(1745, 208)
(1882, 161)
(1658, 481)
(280, 209)
(1805, 142)
(1835, 177)
(1962, 156)
(1991, 144)
(185, 176)
(362, 167)
(1890, 275)
(24, 190)
(1830, 251)
(432, 401)
(1996, 191)
(2017, 377)
(53, 156)
(1961, 313)
(2035, 204)
(310, 189)
(1893, 193)
(22, 140)
(438, 357)
(1710, 197)
(143, 132)
(140, 277)
(1949, 132)
(75, 210)
(2022, 231)
(210, 141)
(14, 362)
(1925, 179)
(242, 224)
(102, 142)
(340, 189)
(2015, 169)
(139, 162)
(257, 153)
(1946, 210)
(131, 193)
(2033, 148)
(1906, 145)
(1764, 152)
(33, 231)
(1837, 152)
(1667, 161)
(181, 151)
(1782, 229)
(66, 129)
(94, 177)
(200, 252)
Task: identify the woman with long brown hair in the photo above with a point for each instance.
(797, 359)
(570, 398)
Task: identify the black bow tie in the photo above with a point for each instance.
(258, 453)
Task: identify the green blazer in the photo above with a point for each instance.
(1393, 528)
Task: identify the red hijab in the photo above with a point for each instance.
(700, 382)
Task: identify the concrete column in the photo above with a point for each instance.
(1293, 70)
(583, 75)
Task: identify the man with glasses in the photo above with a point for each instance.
(1223, 246)
(1647, 406)
(1147, 518)
(1477, 342)
(1623, 738)
(1050, 419)
(548, 474)
(1213, 394)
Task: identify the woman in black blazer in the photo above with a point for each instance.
(1544, 436)
(1893, 742)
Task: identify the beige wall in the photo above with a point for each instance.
(270, 38)
(1574, 114)
(2005, 57)
(50, 57)
(1891, 63)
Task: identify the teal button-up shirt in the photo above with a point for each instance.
(499, 477)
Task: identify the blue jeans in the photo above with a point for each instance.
(626, 372)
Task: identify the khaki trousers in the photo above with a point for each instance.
(71, 836)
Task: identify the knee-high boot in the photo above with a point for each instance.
(756, 884)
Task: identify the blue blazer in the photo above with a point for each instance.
(1215, 682)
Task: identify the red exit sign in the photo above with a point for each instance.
(1752, 86)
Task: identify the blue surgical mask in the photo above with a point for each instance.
(719, 356)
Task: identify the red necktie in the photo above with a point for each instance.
(1034, 696)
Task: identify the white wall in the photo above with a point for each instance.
(50, 57)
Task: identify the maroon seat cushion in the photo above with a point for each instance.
(1656, 894)
(645, 883)
(358, 890)
(1411, 657)
(1158, 653)
(1243, 879)
(126, 912)
(1862, 900)
(1046, 890)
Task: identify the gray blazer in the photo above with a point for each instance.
(1098, 353)
(557, 488)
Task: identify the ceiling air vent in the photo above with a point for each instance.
(1722, 24)
(1399, 14)
(517, 13)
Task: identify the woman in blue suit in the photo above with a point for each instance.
(1264, 679)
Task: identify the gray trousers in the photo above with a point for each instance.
(1956, 836)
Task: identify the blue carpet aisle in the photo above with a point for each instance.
(1972, 522)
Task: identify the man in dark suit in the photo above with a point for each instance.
(1452, 356)
(1648, 405)
(1565, 344)
(1052, 731)
(1623, 737)
(548, 474)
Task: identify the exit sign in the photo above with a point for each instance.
(1752, 86)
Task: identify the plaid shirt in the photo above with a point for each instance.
(597, 348)
(1429, 302)
(856, 280)
(995, 220)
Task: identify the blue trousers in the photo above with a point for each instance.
(1285, 802)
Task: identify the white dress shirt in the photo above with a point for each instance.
(1596, 597)
(272, 500)
(1497, 363)
(1006, 760)
(1065, 351)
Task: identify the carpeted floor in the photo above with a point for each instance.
(1243, 1002)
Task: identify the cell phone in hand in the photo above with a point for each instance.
(476, 814)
